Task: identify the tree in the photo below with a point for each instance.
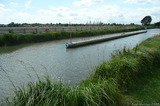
(11, 24)
(146, 20)
(132, 24)
(157, 24)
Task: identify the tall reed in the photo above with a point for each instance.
(104, 92)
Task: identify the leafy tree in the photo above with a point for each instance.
(146, 20)
(131, 24)
(12, 24)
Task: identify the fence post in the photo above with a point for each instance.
(24, 30)
(36, 30)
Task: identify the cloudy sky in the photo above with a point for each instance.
(78, 11)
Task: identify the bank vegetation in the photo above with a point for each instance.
(11, 38)
(106, 86)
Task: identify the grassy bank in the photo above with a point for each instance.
(128, 65)
(146, 90)
(108, 85)
(9, 39)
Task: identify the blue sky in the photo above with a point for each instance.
(78, 11)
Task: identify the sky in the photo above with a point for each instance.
(78, 11)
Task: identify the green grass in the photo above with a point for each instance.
(104, 92)
(128, 64)
(9, 39)
(129, 74)
(147, 89)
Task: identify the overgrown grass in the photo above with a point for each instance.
(106, 87)
(13, 39)
(104, 92)
(128, 65)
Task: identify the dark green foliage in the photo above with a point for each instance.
(10, 31)
(13, 39)
(9, 39)
(157, 24)
(146, 20)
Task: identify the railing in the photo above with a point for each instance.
(53, 29)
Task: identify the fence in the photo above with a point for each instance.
(53, 29)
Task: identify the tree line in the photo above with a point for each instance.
(13, 24)
(145, 22)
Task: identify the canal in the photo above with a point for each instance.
(20, 64)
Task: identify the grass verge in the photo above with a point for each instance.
(9, 39)
(146, 91)
(107, 86)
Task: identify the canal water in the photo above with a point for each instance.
(20, 64)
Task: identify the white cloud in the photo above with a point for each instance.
(60, 8)
(13, 3)
(142, 2)
(86, 2)
(105, 13)
(3, 9)
(2, 5)
(73, 14)
(153, 12)
(27, 4)
(42, 11)
(56, 12)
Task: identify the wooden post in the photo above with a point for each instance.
(36, 30)
(24, 30)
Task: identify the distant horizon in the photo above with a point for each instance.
(78, 11)
(72, 23)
